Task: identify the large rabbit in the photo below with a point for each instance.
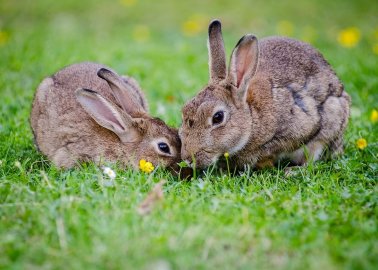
(85, 112)
(279, 98)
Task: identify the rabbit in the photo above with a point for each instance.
(279, 99)
(86, 112)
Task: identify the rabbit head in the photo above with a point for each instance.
(218, 119)
(141, 136)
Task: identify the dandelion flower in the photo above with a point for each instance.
(146, 166)
(226, 155)
(374, 116)
(375, 48)
(128, 3)
(194, 25)
(141, 33)
(4, 37)
(361, 143)
(309, 34)
(109, 172)
(285, 28)
(191, 28)
(170, 98)
(349, 37)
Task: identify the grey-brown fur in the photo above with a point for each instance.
(67, 133)
(292, 99)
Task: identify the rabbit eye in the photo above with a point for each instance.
(218, 117)
(164, 148)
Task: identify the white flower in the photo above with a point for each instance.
(109, 172)
(161, 110)
(18, 165)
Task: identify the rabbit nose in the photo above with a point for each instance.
(187, 155)
(187, 158)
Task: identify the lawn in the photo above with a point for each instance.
(324, 216)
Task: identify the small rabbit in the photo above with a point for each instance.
(279, 99)
(85, 112)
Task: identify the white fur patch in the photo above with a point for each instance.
(317, 151)
(44, 88)
(240, 145)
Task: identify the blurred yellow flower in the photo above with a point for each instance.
(374, 116)
(285, 28)
(376, 33)
(128, 3)
(191, 28)
(375, 48)
(146, 166)
(226, 155)
(309, 34)
(4, 37)
(361, 143)
(349, 37)
(141, 33)
(170, 98)
(194, 25)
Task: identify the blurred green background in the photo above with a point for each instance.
(163, 44)
(325, 217)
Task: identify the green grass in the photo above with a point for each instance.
(322, 217)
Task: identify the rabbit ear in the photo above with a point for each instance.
(106, 114)
(137, 91)
(217, 55)
(123, 92)
(243, 63)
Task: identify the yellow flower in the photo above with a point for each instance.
(285, 28)
(141, 33)
(375, 48)
(376, 33)
(361, 143)
(374, 116)
(349, 37)
(226, 155)
(4, 37)
(146, 166)
(128, 3)
(194, 25)
(309, 34)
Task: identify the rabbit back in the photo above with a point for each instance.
(307, 104)
(63, 131)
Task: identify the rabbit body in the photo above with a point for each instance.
(299, 101)
(66, 132)
(279, 99)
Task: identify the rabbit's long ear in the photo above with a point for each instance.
(243, 64)
(106, 114)
(123, 92)
(137, 91)
(217, 54)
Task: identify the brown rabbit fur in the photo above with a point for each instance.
(78, 116)
(279, 99)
